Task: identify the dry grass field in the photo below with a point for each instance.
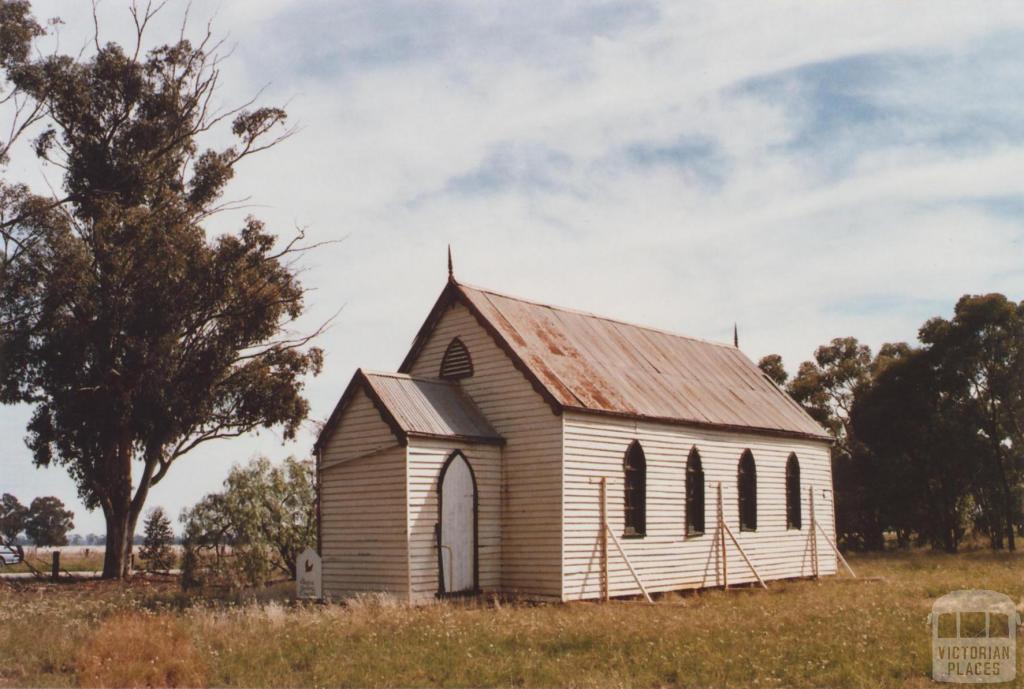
(72, 559)
(75, 561)
(829, 633)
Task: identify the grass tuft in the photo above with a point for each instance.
(140, 650)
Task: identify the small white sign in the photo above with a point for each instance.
(307, 575)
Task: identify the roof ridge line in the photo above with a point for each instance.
(590, 314)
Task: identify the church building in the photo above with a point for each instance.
(542, 452)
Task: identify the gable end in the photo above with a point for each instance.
(450, 296)
(359, 382)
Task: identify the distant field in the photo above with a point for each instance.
(72, 559)
(832, 633)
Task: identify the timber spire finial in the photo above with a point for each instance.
(451, 269)
(735, 336)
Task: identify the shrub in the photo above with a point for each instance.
(255, 529)
(156, 548)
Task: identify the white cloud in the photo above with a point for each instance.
(809, 170)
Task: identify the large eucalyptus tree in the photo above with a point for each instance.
(134, 336)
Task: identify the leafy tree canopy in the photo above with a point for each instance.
(979, 356)
(928, 439)
(48, 522)
(12, 517)
(772, 367)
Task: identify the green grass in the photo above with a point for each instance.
(832, 633)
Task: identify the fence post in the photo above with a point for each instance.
(604, 539)
(814, 535)
(721, 536)
(55, 567)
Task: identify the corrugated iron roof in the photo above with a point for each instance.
(413, 406)
(429, 407)
(587, 362)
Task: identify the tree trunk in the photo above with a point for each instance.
(996, 536)
(120, 515)
(133, 520)
(1009, 513)
(1010, 523)
(115, 560)
(950, 540)
(120, 533)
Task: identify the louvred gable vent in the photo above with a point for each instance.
(456, 362)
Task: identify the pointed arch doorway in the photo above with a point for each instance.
(457, 527)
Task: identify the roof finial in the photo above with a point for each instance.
(451, 270)
(735, 336)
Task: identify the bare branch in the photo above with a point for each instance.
(287, 344)
(184, 447)
(96, 25)
(290, 248)
(184, 21)
(140, 24)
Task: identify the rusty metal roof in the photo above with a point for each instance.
(427, 407)
(413, 406)
(587, 362)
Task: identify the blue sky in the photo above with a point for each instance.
(808, 170)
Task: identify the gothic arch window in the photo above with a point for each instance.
(694, 494)
(456, 362)
(635, 491)
(794, 520)
(746, 482)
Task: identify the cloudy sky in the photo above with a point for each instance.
(808, 170)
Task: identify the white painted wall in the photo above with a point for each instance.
(362, 506)
(532, 474)
(666, 559)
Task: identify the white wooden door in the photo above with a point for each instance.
(458, 537)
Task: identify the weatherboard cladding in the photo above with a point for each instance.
(586, 362)
(430, 408)
(530, 467)
(668, 558)
(362, 494)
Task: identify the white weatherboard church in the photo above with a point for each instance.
(478, 467)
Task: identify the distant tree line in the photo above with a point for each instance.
(46, 522)
(929, 438)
